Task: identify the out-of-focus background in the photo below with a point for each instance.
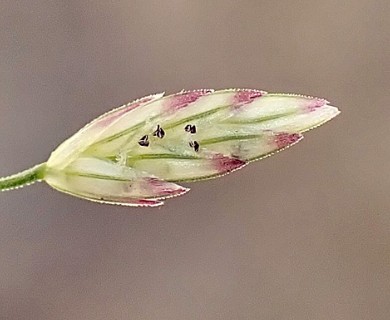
(301, 235)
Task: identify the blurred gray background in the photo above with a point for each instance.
(302, 235)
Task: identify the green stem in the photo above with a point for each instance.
(23, 178)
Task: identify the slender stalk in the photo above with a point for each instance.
(23, 178)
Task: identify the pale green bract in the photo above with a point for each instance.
(136, 154)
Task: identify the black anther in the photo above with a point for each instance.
(159, 132)
(195, 145)
(190, 128)
(144, 141)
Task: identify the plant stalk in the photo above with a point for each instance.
(23, 178)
